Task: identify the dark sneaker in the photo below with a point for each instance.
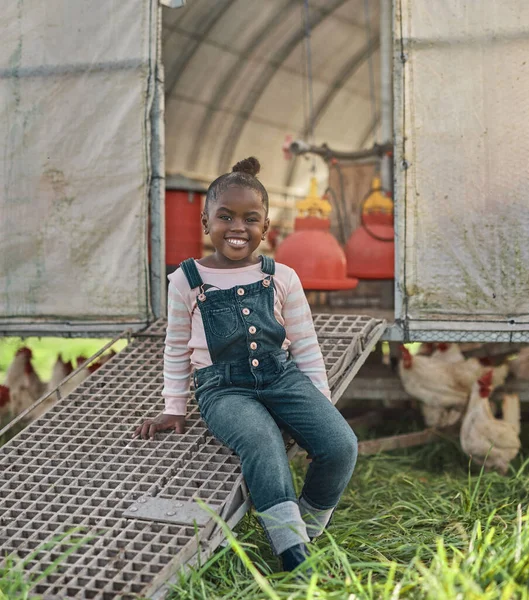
(294, 556)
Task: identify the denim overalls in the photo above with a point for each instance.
(251, 392)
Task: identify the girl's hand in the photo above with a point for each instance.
(160, 423)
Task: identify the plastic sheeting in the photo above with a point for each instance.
(462, 92)
(76, 88)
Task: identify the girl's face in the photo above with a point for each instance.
(237, 223)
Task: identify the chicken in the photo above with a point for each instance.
(61, 370)
(489, 441)
(5, 401)
(442, 387)
(511, 410)
(519, 367)
(426, 349)
(22, 374)
(24, 384)
(448, 353)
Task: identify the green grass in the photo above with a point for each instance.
(45, 351)
(413, 524)
(16, 584)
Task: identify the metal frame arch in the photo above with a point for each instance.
(175, 72)
(268, 72)
(346, 72)
(227, 83)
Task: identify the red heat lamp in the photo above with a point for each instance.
(370, 250)
(312, 251)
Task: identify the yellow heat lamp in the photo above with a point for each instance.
(314, 205)
(377, 202)
(312, 251)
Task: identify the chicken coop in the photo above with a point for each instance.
(118, 115)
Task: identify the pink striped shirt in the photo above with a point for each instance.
(185, 343)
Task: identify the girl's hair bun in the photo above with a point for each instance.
(250, 165)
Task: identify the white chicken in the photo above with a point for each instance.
(449, 353)
(519, 367)
(487, 440)
(24, 384)
(426, 349)
(443, 388)
(511, 410)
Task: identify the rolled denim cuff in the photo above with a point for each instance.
(316, 519)
(284, 526)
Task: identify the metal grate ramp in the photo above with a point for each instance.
(120, 513)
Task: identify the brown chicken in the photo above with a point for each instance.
(443, 388)
(487, 440)
(22, 374)
(5, 400)
(24, 384)
(60, 370)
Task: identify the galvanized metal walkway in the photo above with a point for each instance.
(119, 514)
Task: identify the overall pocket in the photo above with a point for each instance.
(209, 384)
(222, 321)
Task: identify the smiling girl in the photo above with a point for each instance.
(242, 323)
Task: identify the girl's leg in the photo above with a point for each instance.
(302, 410)
(238, 420)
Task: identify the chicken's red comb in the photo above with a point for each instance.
(486, 379)
(443, 346)
(25, 350)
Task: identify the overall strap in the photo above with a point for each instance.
(191, 272)
(268, 265)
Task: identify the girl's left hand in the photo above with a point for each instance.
(160, 423)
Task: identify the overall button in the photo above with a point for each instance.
(246, 311)
(240, 291)
(253, 346)
(252, 329)
(266, 282)
(255, 362)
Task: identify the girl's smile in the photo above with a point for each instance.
(237, 223)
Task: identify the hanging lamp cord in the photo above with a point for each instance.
(370, 65)
(308, 53)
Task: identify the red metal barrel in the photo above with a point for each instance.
(183, 232)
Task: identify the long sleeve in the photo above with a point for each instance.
(176, 358)
(300, 330)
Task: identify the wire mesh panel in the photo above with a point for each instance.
(69, 481)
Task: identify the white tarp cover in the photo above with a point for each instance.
(462, 124)
(75, 95)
